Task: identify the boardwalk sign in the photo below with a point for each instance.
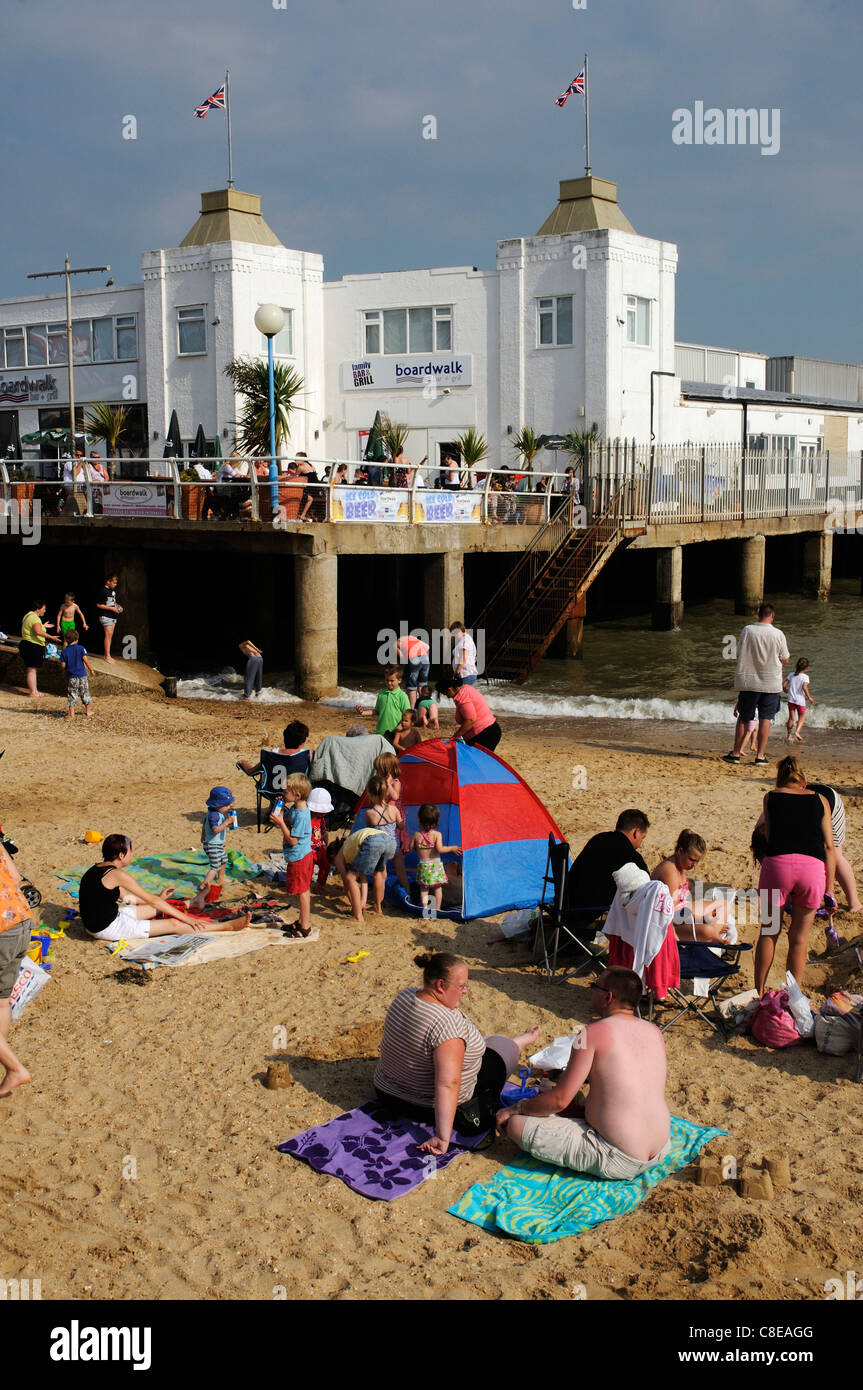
(134, 499)
(443, 369)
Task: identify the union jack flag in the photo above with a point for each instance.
(576, 85)
(216, 100)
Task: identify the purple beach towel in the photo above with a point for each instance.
(375, 1151)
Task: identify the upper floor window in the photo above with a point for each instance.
(283, 343)
(637, 320)
(93, 340)
(407, 330)
(555, 321)
(191, 330)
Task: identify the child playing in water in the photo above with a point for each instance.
(750, 743)
(429, 846)
(427, 709)
(217, 821)
(68, 615)
(798, 697)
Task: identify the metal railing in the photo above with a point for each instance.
(351, 492)
(692, 483)
(657, 484)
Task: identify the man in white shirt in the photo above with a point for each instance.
(463, 654)
(761, 653)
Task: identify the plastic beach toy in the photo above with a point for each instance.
(352, 960)
(92, 837)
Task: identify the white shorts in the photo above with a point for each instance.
(106, 621)
(124, 925)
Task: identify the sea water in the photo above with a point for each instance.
(630, 672)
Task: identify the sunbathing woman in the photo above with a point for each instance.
(706, 921)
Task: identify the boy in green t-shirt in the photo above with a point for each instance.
(391, 702)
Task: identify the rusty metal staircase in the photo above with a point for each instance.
(525, 615)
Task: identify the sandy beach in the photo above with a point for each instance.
(170, 1072)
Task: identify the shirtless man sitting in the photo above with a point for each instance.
(627, 1126)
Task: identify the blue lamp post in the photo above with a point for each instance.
(270, 320)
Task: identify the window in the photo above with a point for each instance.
(15, 347)
(57, 355)
(93, 340)
(427, 329)
(103, 340)
(191, 331)
(283, 343)
(555, 321)
(127, 338)
(637, 320)
(37, 347)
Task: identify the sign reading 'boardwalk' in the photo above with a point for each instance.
(134, 499)
(418, 369)
(25, 389)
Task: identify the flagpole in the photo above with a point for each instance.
(586, 120)
(228, 114)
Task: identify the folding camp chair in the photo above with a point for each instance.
(270, 779)
(556, 920)
(697, 961)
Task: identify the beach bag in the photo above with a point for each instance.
(773, 1022)
(834, 1035)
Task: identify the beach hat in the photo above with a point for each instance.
(219, 796)
(319, 800)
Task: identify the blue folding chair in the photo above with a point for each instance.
(697, 961)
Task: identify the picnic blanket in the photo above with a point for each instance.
(183, 868)
(199, 949)
(374, 1151)
(539, 1203)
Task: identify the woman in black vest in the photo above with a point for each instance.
(800, 865)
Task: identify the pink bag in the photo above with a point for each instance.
(773, 1023)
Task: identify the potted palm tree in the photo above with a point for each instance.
(527, 446)
(250, 379)
(474, 450)
(108, 423)
(393, 437)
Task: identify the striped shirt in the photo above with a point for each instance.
(412, 1030)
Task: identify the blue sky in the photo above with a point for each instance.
(328, 105)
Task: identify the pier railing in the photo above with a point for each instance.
(656, 484)
(691, 483)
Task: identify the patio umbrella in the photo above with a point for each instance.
(173, 441)
(375, 451)
(199, 446)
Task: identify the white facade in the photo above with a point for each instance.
(566, 331)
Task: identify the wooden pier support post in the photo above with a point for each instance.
(750, 575)
(316, 625)
(818, 565)
(444, 590)
(668, 607)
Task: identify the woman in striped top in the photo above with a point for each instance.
(433, 1059)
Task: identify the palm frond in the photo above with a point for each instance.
(250, 379)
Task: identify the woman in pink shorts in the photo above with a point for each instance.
(800, 862)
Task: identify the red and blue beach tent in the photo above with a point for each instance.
(487, 809)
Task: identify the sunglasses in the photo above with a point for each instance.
(594, 984)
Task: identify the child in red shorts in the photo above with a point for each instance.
(295, 824)
(320, 804)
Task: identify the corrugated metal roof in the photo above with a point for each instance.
(708, 391)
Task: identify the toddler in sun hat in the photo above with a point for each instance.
(218, 820)
(320, 803)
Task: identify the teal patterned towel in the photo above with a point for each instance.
(539, 1203)
(184, 869)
